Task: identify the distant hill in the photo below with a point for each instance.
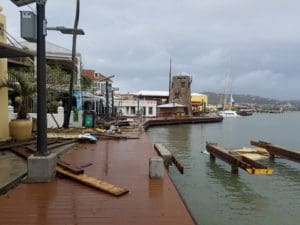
(214, 98)
(295, 103)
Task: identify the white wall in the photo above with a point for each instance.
(130, 107)
(59, 117)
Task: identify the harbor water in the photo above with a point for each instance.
(213, 195)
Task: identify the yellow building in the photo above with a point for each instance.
(4, 131)
(199, 103)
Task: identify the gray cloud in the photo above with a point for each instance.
(255, 42)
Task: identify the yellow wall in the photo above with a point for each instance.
(200, 99)
(4, 131)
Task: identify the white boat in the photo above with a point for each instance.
(228, 113)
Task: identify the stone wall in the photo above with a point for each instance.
(181, 92)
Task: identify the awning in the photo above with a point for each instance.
(8, 51)
(172, 105)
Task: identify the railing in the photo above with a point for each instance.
(52, 120)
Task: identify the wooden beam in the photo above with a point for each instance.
(93, 182)
(247, 164)
(277, 150)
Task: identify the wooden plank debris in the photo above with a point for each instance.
(277, 150)
(68, 166)
(178, 165)
(94, 182)
(252, 153)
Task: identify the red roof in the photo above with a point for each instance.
(93, 75)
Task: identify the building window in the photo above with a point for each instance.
(150, 110)
(132, 110)
(144, 111)
(127, 110)
(182, 84)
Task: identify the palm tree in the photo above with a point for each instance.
(23, 88)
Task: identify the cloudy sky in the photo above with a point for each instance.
(254, 42)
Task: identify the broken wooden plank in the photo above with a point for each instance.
(25, 153)
(94, 182)
(68, 166)
(114, 136)
(178, 165)
(22, 151)
(16, 144)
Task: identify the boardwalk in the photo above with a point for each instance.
(124, 163)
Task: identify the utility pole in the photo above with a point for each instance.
(170, 82)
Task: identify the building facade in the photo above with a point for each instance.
(4, 131)
(199, 103)
(133, 108)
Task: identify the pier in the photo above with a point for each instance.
(247, 164)
(168, 157)
(181, 120)
(276, 150)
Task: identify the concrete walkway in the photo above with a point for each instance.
(13, 168)
(121, 162)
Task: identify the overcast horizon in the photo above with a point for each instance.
(255, 43)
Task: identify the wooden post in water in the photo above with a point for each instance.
(234, 169)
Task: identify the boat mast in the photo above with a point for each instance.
(170, 74)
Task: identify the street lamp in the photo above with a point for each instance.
(41, 75)
(66, 30)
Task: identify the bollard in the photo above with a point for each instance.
(156, 167)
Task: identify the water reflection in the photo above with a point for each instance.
(284, 169)
(233, 185)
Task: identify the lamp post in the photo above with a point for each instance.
(41, 75)
(41, 72)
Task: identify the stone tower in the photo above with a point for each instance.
(180, 92)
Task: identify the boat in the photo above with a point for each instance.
(228, 113)
(244, 112)
(226, 106)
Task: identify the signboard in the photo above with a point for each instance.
(28, 26)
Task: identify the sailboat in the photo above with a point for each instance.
(228, 112)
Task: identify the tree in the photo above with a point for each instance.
(85, 83)
(23, 87)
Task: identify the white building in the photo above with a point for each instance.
(132, 108)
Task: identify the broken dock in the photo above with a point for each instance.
(275, 150)
(237, 161)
